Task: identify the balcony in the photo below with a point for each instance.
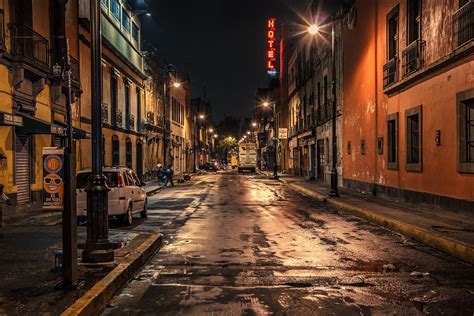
(412, 57)
(390, 72)
(131, 122)
(150, 118)
(75, 72)
(2, 31)
(105, 113)
(28, 45)
(119, 118)
(463, 24)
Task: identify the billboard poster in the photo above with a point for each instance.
(53, 178)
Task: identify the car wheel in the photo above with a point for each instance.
(127, 218)
(144, 213)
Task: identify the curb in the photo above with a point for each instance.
(154, 191)
(455, 248)
(94, 301)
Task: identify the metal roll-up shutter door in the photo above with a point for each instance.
(22, 168)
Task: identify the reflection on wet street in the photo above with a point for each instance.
(246, 245)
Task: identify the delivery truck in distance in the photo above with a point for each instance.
(247, 157)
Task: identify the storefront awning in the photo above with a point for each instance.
(7, 119)
(33, 125)
(78, 133)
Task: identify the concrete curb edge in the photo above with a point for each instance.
(95, 300)
(457, 249)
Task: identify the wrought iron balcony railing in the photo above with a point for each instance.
(463, 20)
(2, 31)
(75, 71)
(390, 72)
(150, 118)
(27, 43)
(412, 57)
(131, 124)
(105, 113)
(119, 118)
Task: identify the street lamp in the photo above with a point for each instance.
(177, 84)
(313, 30)
(254, 124)
(275, 139)
(197, 142)
(139, 12)
(97, 247)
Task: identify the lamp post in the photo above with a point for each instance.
(313, 30)
(97, 247)
(275, 140)
(197, 143)
(166, 99)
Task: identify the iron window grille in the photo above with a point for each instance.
(390, 72)
(412, 57)
(29, 44)
(463, 20)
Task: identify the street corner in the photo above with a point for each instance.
(128, 260)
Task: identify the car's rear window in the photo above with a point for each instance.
(82, 179)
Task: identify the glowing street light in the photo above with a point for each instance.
(313, 29)
(201, 116)
(177, 84)
(265, 104)
(248, 132)
(211, 130)
(254, 124)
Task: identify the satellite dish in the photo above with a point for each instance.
(352, 18)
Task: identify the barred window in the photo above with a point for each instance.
(465, 131)
(413, 138)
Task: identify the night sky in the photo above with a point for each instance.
(221, 44)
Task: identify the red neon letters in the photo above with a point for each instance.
(271, 42)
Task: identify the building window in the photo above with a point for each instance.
(463, 25)
(413, 121)
(392, 141)
(465, 131)
(390, 68)
(413, 20)
(125, 20)
(105, 3)
(127, 104)
(362, 146)
(325, 100)
(115, 9)
(115, 151)
(128, 153)
(349, 148)
(135, 32)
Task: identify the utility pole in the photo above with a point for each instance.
(62, 75)
(97, 247)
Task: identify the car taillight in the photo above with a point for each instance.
(120, 182)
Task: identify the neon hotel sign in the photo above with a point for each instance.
(271, 44)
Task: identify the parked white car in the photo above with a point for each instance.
(126, 196)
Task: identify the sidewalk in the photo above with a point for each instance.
(28, 285)
(448, 231)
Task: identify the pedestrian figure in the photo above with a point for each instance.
(169, 176)
(4, 200)
(160, 173)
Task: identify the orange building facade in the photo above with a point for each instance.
(408, 128)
